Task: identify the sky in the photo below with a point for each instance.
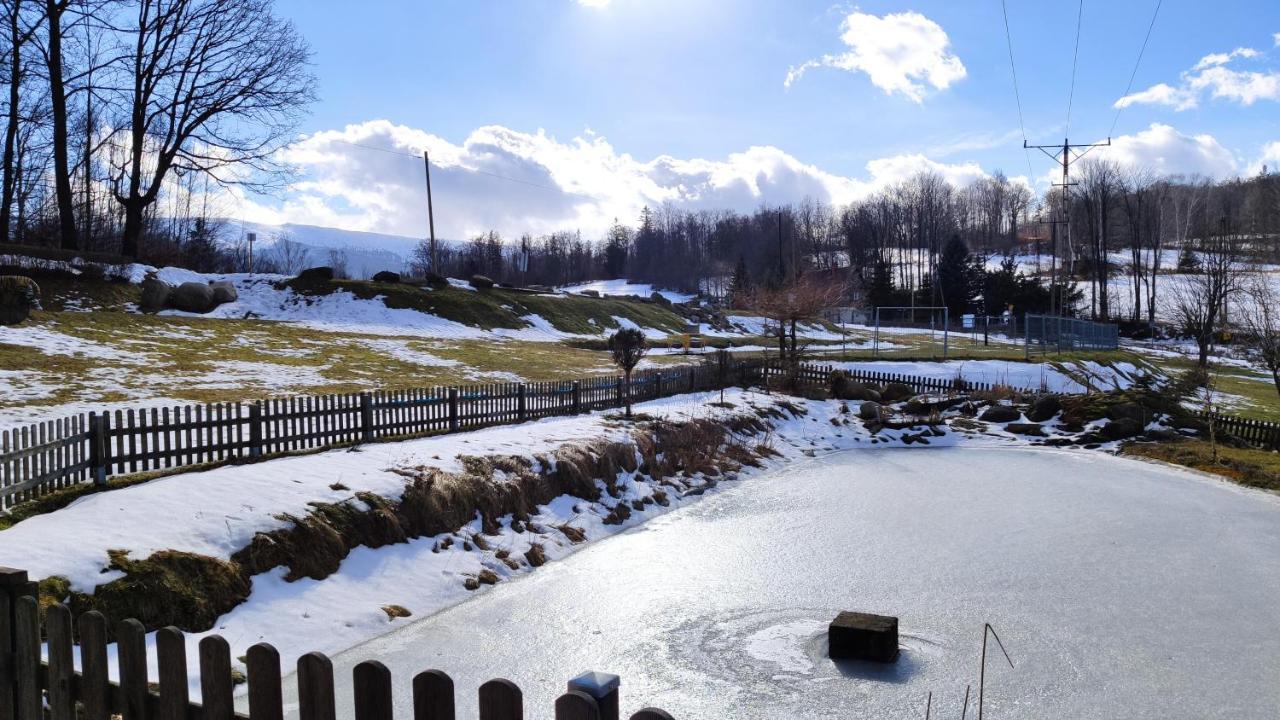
(545, 115)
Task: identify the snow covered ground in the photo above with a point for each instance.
(621, 286)
(1072, 377)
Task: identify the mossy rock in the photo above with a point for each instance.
(19, 295)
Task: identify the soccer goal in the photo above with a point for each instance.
(911, 325)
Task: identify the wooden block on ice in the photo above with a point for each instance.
(863, 636)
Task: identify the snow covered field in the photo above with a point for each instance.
(1071, 377)
(623, 287)
(1121, 589)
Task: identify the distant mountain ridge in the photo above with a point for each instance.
(366, 252)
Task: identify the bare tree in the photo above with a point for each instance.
(1259, 314)
(338, 261)
(1200, 300)
(802, 300)
(288, 257)
(213, 86)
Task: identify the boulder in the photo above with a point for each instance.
(19, 295)
(1127, 411)
(590, 293)
(1019, 428)
(437, 280)
(155, 294)
(1044, 408)
(386, 276)
(1121, 429)
(869, 410)
(660, 299)
(192, 297)
(896, 392)
(480, 282)
(316, 273)
(1001, 414)
(224, 291)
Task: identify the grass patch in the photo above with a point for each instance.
(1247, 466)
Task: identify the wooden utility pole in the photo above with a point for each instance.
(1065, 160)
(431, 218)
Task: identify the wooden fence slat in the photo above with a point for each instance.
(171, 657)
(315, 688)
(57, 621)
(215, 679)
(500, 699)
(94, 690)
(131, 649)
(265, 697)
(372, 691)
(577, 705)
(432, 696)
(26, 660)
(7, 706)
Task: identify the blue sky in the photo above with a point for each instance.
(578, 99)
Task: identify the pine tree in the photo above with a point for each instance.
(740, 287)
(957, 277)
(881, 291)
(616, 249)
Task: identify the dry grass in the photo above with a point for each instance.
(1247, 466)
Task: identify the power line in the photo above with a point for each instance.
(1074, 58)
(1134, 74)
(1008, 36)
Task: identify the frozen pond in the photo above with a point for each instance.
(1121, 589)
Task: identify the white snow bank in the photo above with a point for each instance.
(623, 287)
(1025, 376)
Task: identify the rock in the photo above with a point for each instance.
(1019, 428)
(480, 282)
(1001, 414)
(1186, 422)
(316, 273)
(155, 294)
(863, 636)
(869, 410)
(1127, 411)
(192, 297)
(396, 611)
(590, 293)
(386, 276)
(896, 392)
(19, 295)
(1162, 435)
(660, 299)
(436, 279)
(1121, 429)
(224, 291)
(1044, 408)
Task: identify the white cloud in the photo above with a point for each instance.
(900, 53)
(544, 184)
(594, 3)
(1212, 76)
(1269, 158)
(1224, 58)
(1168, 152)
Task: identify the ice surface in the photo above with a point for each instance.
(1121, 589)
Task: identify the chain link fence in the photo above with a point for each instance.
(1050, 333)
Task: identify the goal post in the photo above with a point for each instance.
(934, 319)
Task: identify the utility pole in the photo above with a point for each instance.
(252, 238)
(1066, 160)
(431, 218)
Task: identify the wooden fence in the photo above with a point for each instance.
(35, 689)
(820, 376)
(48, 456)
(1257, 432)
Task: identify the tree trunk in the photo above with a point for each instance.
(132, 226)
(626, 391)
(58, 102)
(10, 180)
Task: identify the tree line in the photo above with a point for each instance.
(122, 115)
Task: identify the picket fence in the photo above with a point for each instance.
(48, 456)
(819, 376)
(32, 688)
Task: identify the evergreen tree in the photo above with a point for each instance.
(200, 251)
(616, 249)
(740, 287)
(958, 278)
(1188, 263)
(881, 291)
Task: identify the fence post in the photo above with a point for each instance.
(453, 409)
(522, 396)
(619, 391)
(255, 429)
(577, 397)
(97, 448)
(366, 417)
